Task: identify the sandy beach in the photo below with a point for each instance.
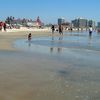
(6, 38)
(26, 75)
(49, 50)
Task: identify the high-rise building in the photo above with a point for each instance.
(75, 23)
(61, 21)
(80, 23)
(91, 23)
(98, 25)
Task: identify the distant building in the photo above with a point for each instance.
(61, 21)
(91, 23)
(24, 22)
(98, 25)
(80, 23)
(75, 23)
(37, 23)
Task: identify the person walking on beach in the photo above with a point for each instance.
(60, 29)
(53, 29)
(4, 26)
(90, 31)
(0, 26)
(29, 37)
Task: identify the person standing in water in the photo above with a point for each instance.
(60, 29)
(53, 29)
(29, 36)
(90, 31)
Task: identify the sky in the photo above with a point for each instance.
(50, 10)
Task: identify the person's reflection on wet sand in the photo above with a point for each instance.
(29, 43)
(52, 38)
(90, 40)
(60, 38)
(59, 49)
(51, 50)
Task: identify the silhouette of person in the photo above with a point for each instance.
(60, 29)
(51, 49)
(4, 26)
(29, 36)
(0, 26)
(90, 31)
(59, 49)
(53, 29)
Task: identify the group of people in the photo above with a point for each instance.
(60, 29)
(53, 29)
(3, 26)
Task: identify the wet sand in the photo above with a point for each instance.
(25, 75)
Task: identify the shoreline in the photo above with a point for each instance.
(7, 38)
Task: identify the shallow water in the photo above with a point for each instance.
(52, 68)
(71, 41)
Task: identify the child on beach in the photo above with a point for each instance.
(53, 29)
(29, 36)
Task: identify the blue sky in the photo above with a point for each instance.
(50, 10)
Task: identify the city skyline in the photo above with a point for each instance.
(50, 10)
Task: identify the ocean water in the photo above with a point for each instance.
(53, 68)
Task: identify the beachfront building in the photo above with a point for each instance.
(80, 23)
(12, 22)
(61, 21)
(39, 23)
